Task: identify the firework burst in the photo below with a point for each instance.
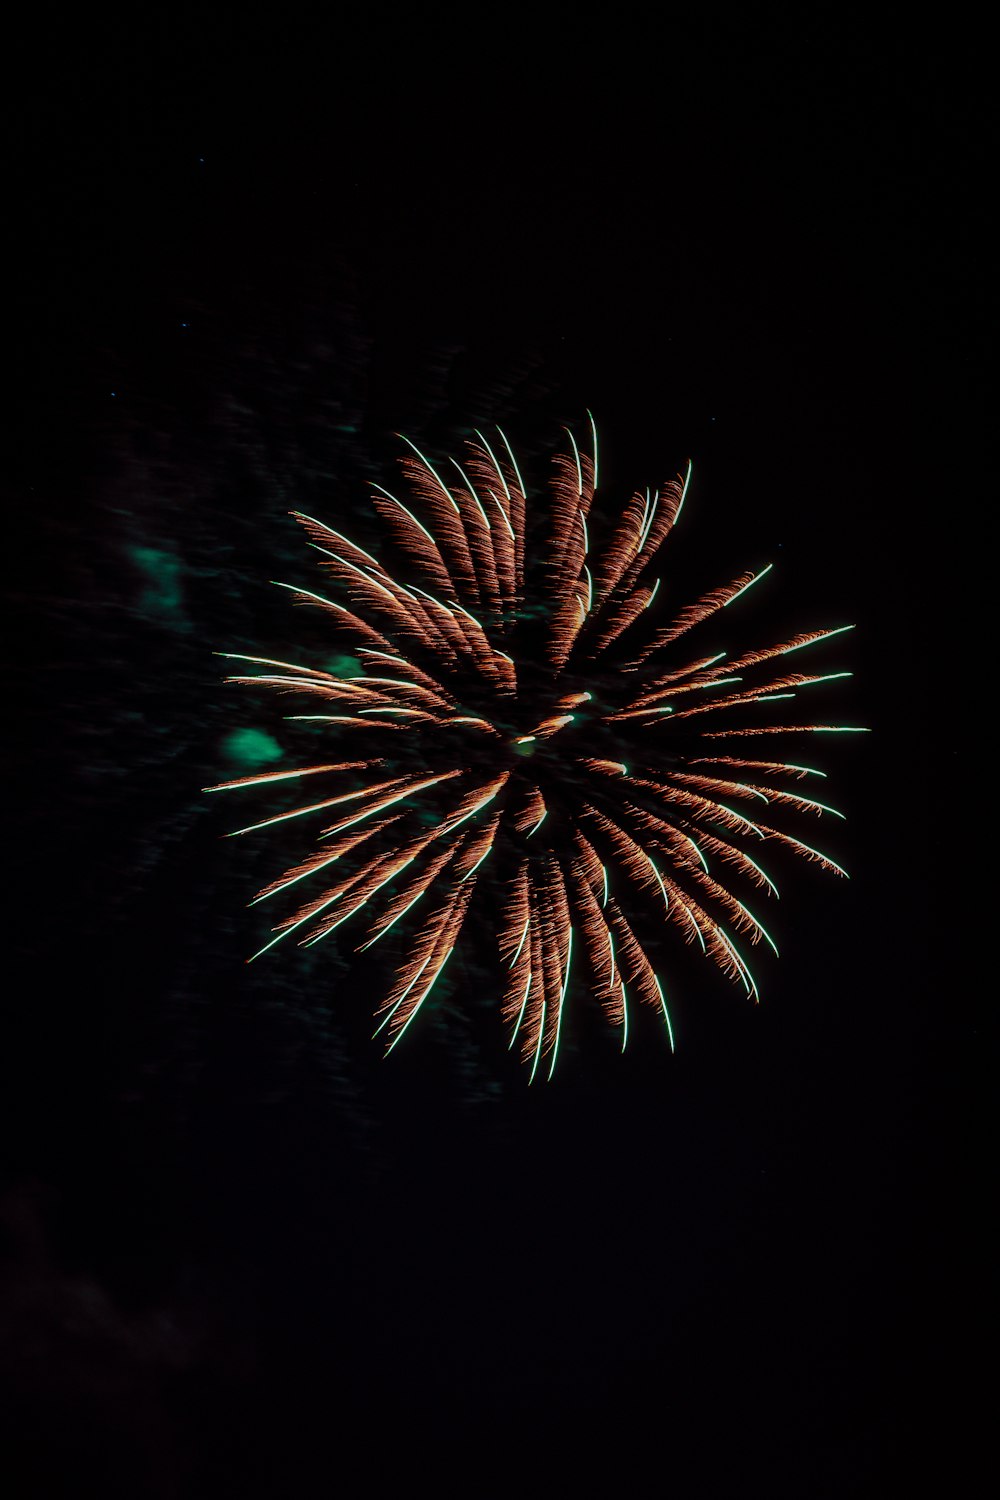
(497, 700)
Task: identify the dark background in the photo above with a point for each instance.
(241, 1253)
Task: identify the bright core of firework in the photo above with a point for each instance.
(494, 707)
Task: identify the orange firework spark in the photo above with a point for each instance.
(522, 733)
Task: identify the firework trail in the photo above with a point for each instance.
(495, 702)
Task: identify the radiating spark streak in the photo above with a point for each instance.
(756, 579)
(407, 512)
(500, 508)
(520, 1018)
(298, 812)
(798, 643)
(267, 661)
(287, 931)
(562, 999)
(317, 862)
(680, 503)
(658, 826)
(407, 791)
(666, 1013)
(499, 471)
(337, 719)
(576, 456)
(345, 765)
(757, 765)
(718, 734)
(538, 1048)
(312, 525)
(473, 492)
(520, 945)
(446, 492)
(593, 433)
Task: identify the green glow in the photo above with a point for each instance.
(838, 729)
(251, 747)
(586, 533)
(756, 579)
(538, 824)
(163, 593)
(656, 590)
(809, 770)
(344, 665)
(604, 872)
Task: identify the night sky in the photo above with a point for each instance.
(242, 1254)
